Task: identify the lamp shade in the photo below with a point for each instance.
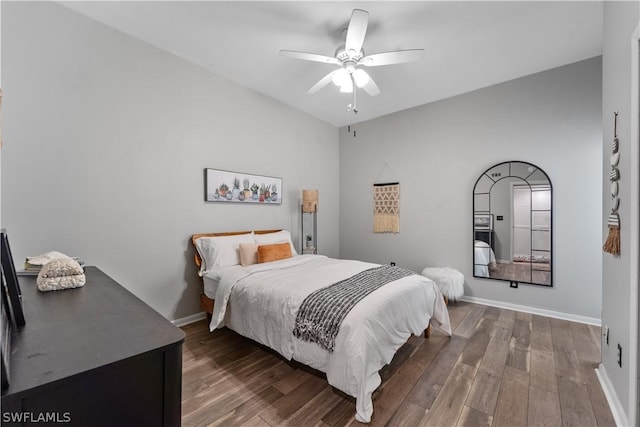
(309, 201)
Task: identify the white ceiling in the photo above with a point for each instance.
(468, 45)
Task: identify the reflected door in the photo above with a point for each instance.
(521, 235)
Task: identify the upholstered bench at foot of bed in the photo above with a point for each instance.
(449, 281)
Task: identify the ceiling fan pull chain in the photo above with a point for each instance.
(355, 99)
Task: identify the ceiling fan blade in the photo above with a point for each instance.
(356, 31)
(309, 57)
(395, 57)
(365, 82)
(323, 82)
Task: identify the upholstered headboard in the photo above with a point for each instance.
(227, 233)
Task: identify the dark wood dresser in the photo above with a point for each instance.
(93, 356)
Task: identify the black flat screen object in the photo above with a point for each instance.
(5, 339)
(11, 285)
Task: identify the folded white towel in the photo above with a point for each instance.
(45, 258)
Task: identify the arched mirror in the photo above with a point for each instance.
(512, 224)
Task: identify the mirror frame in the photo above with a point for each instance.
(513, 284)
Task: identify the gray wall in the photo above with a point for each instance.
(105, 142)
(437, 151)
(620, 20)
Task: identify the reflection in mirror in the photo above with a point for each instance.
(512, 224)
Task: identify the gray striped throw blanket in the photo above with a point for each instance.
(322, 312)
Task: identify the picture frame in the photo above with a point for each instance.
(10, 284)
(483, 222)
(244, 188)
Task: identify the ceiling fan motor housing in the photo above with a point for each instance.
(344, 56)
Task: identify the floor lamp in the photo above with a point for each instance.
(309, 222)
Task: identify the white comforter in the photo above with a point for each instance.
(261, 302)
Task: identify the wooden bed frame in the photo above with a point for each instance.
(207, 303)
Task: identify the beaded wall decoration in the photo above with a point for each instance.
(612, 245)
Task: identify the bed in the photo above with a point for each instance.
(483, 258)
(266, 302)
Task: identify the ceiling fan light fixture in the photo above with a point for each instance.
(347, 86)
(340, 77)
(361, 77)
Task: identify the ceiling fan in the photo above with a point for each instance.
(350, 56)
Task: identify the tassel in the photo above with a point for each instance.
(612, 245)
(386, 223)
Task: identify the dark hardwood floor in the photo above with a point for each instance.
(500, 368)
(522, 272)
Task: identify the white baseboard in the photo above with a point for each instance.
(612, 397)
(189, 319)
(535, 310)
(526, 309)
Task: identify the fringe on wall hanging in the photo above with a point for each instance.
(386, 207)
(612, 244)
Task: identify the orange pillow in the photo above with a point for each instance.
(274, 252)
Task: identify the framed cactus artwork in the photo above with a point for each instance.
(238, 187)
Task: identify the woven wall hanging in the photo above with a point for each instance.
(386, 207)
(612, 245)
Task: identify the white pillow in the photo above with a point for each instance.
(220, 251)
(277, 237)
